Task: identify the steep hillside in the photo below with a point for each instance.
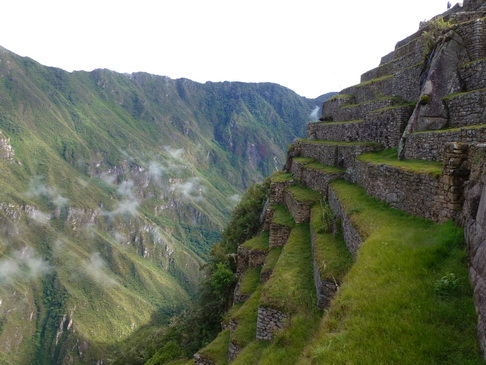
(375, 230)
(113, 189)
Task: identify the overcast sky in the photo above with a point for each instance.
(309, 46)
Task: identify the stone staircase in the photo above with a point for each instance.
(440, 134)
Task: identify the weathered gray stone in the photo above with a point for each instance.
(269, 321)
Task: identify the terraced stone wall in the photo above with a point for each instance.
(431, 145)
(408, 191)
(351, 236)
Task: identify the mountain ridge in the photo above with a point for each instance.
(114, 187)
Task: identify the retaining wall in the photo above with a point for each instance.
(351, 236)
(431, 145)
(269, 321)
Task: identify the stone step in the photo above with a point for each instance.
(430, 145)
(289, 290)
(467, 108)
(396, 83)
(270, 262)
(385, 126)
(242, 324)
(299, 200)
(281, 224)
(333, 153)
(397, 64)
(341, 110)
(252, 253)
(314, 175)
(427, 189)
(278, 182)
(246, 284)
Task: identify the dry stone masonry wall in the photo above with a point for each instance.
(432, 108)
(351, 236)
(269, 321)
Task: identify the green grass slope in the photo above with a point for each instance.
(406, 300)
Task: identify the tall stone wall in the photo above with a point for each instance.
(466, 109)
(431, 145)
(474, 219)
(384, 126)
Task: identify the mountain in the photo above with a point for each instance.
(113, 189)
(369, 246)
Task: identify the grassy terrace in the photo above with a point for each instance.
(450, 96)
(303, 195)
(324, 168)
(281, 176)
(259, 242)
(478, 126)
(291, 289)
(338, 123)
(396, 99)
(250, 280)
(282, 216)
(217, 350)
(342, 96)
(339, 143)
(389, 157)
(271, 259)
(330, 253)
(246, 317)
(391, 107)
(373, 81)
(291, 282)
(310, 163)
(396, 305)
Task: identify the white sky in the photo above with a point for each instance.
(309, 46)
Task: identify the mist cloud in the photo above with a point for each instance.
(38, 189)
(23, 264)
(190, 190)
(98, 270)
(314, 115)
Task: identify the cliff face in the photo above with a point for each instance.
(410, 135)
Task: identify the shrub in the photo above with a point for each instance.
(447, 286)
